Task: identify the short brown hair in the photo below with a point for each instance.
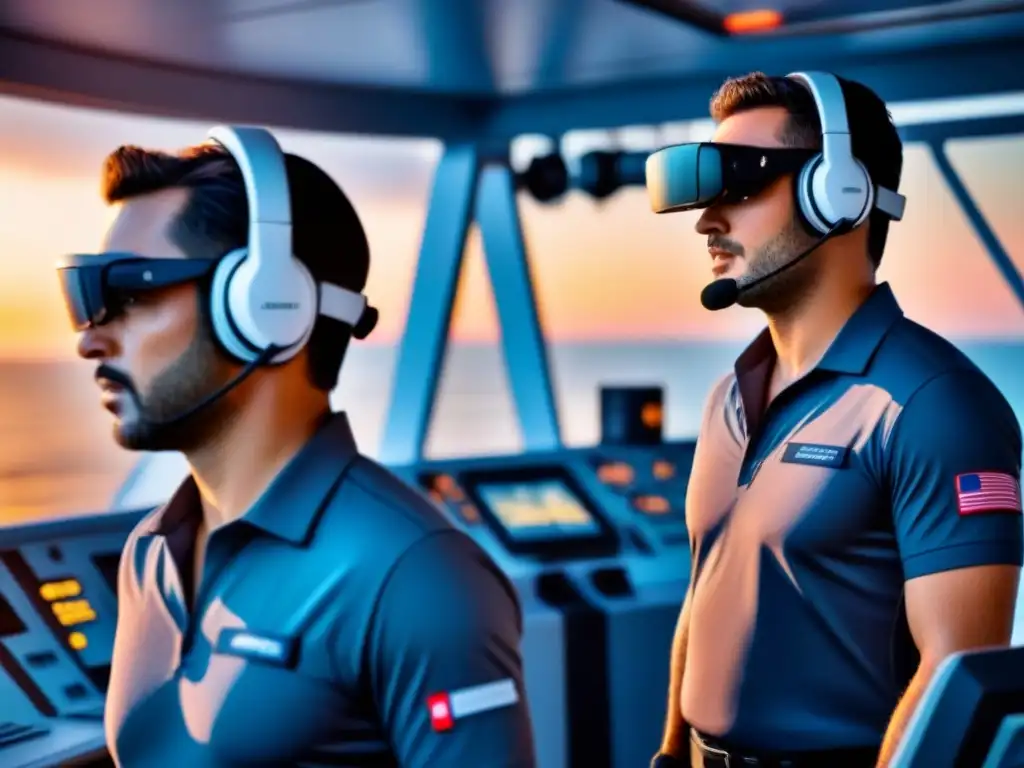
(327, 234)
(876, 142)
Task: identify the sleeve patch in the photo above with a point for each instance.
(987, 492)
(448, 706)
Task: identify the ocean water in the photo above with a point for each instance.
(57, 456)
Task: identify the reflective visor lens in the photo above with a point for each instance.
(83, 296)
(96, 286)
(684, 177)
(692, 176)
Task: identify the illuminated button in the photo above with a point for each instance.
(443, 489)
(449, 488)
(59, 590)
(651, 504)
(663, 470)
(72, 612)
(469, 513)
(615, 473)
(651, 415)
(78, 641)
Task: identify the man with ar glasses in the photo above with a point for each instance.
(854, 504)
(294, 603)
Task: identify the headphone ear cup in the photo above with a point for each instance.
(224, 328)
(866, 201)
(841, 191)
(807, 206)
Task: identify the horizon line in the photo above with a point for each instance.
(43, 358)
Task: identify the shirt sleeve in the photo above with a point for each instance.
(955, 466)
(445, 663)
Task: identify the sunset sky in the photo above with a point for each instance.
(610, 271)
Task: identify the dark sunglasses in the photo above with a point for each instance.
(97, 287)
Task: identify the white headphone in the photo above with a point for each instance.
(834, 185)
(262, 296)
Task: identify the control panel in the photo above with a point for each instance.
(572, 505)
(58, 613)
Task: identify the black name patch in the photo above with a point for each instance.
(816, 455)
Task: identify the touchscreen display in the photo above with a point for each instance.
(542, 509)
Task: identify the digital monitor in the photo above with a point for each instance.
(540, 511)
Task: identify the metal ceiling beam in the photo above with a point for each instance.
(946, 73)
(43, 70)
(35, 68)
(957, 10)
(696, 14)
(690, 12)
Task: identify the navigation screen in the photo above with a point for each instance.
(534, 510)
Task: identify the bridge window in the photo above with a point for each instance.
(473, 413)
(990, 169)
(943, 274)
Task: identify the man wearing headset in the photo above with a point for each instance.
(854, 506)
(293, 603)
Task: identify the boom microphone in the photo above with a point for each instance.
(723, 293)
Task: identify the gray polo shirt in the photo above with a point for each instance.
(342, 621)
(896, 457)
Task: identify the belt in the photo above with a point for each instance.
(707, 752)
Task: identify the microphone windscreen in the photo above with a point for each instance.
(720, 294)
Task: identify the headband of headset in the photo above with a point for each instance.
(262, 164)
(836, 145)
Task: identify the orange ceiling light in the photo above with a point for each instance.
(749, 22)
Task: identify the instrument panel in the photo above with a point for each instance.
(593, 502)
(58, 613)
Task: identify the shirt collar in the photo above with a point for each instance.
(850, 352)
(292, 503)
(852, 349)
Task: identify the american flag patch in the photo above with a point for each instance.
(987, 492)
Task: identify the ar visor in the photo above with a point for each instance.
(97, 286)
(690, 176)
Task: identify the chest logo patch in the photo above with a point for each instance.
(279, 651)
(815, 455)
